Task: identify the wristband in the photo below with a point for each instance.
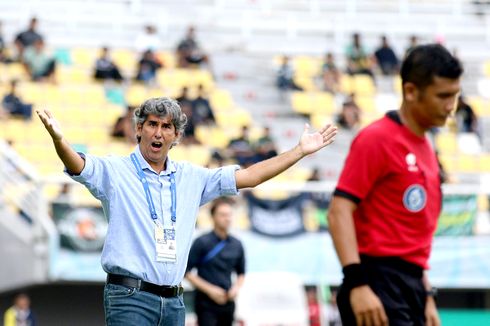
(432, 292)
(354, 276)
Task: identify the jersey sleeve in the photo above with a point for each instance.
(364, 165)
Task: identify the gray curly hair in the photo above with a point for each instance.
(161, 107)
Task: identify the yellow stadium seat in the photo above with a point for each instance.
(168, 59)
(306, 66)
(480, 106)
(363, 85)
(367, 103)
(125, 59)
(468, 163)
(221, 100)
(212, 136)
(312, 102)
(446, 143)
(84, 57)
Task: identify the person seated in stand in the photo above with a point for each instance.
(265, 147)
(330, 74)
(201, 108)
(285, 76)
(189, 51)
(39, 64)
(241, 149)
(25, 39)
(358, 58)
(13, 105)
(386, 58)
(148, 66)
(105, 68)
(124, 127)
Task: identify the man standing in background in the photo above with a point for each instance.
(216, 255)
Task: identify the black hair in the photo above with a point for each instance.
(425, 62)
(218, 202)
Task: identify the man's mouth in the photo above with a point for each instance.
(156, 145)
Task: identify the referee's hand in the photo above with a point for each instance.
(367, 307)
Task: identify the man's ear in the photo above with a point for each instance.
(139, 128)
(410, 92)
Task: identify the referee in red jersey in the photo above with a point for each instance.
(387, 201)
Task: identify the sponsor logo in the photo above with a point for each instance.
(411, 160)
(415, 198)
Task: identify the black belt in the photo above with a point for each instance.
(165, 291)
(397, 263)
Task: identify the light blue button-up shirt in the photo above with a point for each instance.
(129, 247)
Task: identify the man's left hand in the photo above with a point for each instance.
(431, 314)
(310, 143)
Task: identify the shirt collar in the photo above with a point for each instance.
(170, 168)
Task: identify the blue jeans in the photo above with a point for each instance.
(132, 307)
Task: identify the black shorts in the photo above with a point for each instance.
(399, 286)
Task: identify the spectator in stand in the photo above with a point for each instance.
(330, 74)
(105, 68)
(124, 127)
(386, 58)
(265, 146)
(184, 97)
(14, 106)
(148, 40)
(285, 76)
(190, 127)
(20, 314)
(349, 117)
(241, 149)
(147, 67)
(201, 109)
(39, 64)
(412, 43)
(359, 61)
(27, 38)
(466, 118)
(189, 52)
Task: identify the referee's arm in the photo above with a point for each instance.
(342, 229)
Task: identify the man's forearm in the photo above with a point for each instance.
(342, 229)
(70, 158)
(265, 170)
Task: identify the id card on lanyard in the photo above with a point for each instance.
(165, 243)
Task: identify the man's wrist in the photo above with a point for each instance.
(354, 276)
(432, 292)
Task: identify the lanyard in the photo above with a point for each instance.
(149, 200)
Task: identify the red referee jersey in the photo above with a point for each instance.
(393, 176)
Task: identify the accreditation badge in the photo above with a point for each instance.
(166, 245)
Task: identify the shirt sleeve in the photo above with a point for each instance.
(240, 267)
(194, 256)
(363, 166)
(96, 176)
(220, 182)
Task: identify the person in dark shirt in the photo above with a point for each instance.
(105, 68)
(14, 106)
(386, 58)
(148, 66)
(28, 37)
(216, 255)
(466, 118)
(201, 108)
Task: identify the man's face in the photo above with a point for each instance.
(433, 105)
(223, 217)
(157, 136)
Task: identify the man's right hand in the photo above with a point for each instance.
(367, 307)
(50, 124)
(217, 294)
